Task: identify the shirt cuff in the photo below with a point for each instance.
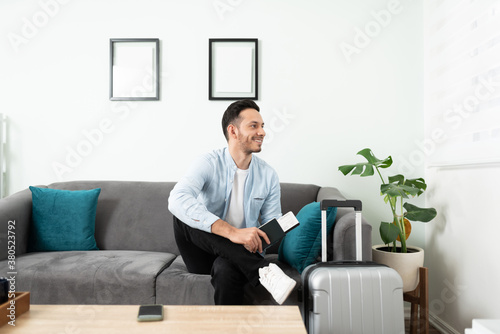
(208, 221)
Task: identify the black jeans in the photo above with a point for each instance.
(230, 265)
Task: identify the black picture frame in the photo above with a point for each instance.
(134, 65)
(233, 68)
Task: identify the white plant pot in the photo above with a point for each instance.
(406, 264)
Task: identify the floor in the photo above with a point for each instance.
(432, 330)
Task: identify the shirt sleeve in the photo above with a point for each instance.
(272, 206)
(183, 200)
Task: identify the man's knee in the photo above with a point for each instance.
(223, 271)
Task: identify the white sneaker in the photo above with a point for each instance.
(276, 282)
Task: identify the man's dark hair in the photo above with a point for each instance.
(232, 113)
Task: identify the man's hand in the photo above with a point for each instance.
(248, 237)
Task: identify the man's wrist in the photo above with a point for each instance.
(222, 228)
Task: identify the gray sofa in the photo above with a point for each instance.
(138, 261)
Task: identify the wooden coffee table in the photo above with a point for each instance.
(121, 319)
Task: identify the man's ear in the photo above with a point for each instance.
(232, 131)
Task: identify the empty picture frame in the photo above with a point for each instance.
(134, 69)
(233, 68)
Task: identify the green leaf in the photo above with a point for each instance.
(362, 169)
(369, 171)
(417, 184)
(395, 190)
(398, 186)
(388, 232)
(366, 168)
(346, 169)
(386, 198)
(358, 170)
(399, 179)
(373, 160)
(419, 214)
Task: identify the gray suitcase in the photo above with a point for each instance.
(351, 296)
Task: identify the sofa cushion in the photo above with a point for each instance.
(293, 197)
(302, 245)
(63, 220)
(131, 215)
(91, 277)
(176, 286)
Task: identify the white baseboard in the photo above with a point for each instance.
(441, 325)
(436, 322)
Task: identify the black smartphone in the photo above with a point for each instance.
(150, 313)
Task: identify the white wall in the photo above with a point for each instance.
(461, 247)
(320, 108)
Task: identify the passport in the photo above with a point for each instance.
(276, 229)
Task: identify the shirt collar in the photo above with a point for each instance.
(230, 162)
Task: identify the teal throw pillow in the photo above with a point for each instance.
(302, 245)
(63, 220)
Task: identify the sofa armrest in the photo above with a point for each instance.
(15, 210)
(344, 238)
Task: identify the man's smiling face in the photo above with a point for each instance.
(250, 131)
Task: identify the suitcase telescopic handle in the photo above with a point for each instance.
(339, 203)
(348, 203)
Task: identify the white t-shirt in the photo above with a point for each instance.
(235, 214)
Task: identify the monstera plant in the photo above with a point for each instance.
(397, 190)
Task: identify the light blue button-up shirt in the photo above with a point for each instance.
(202, 195)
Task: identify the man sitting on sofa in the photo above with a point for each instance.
(216, 207)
